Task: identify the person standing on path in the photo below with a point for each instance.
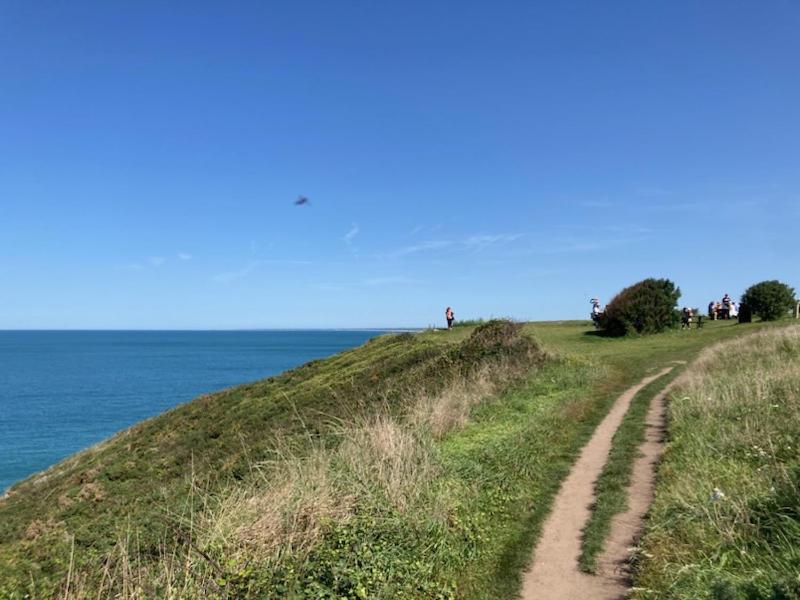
(450, 316)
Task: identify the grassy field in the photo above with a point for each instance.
(726, 519)
(417, 466)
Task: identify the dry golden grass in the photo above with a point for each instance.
(380, 461)
(449, 410)
(383, 460)
(287, 509)
(389, 459)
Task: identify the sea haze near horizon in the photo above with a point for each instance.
(62, 391)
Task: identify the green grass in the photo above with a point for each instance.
(725, 523)
(515, 454)
(468, 323)
(418, 466)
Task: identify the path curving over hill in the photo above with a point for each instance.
(554, 571)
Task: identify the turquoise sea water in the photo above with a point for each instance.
(62, 391)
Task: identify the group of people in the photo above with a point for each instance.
(723, 309)
(717, 310)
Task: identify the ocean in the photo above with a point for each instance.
(62, 391)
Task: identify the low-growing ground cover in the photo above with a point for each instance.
(725, 523)
(417, 466)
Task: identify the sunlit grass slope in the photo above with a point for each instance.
(132, 495)
(726, 520)
(417, 466)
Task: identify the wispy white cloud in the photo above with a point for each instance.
(424, 229)
(702, 206)
(474, 243)
(254, 265)
(477, 243)
(387, 281)
(351, 234)
(230, 276)
(577, 246)
(392, 280)
(154, 262)
(423, 247)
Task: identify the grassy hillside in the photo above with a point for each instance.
(726, 519)
(415, 466)
(136, 486)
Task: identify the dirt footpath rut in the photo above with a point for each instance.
(554, 573)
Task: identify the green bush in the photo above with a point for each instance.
(770, 300)
(645, 307)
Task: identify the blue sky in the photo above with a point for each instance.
(505, 158)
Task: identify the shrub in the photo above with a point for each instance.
(645, 307)
(769, 300)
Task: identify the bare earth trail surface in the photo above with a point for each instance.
(554, 572)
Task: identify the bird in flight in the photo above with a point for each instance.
(301, 200)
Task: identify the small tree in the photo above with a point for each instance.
(645, 307)
(769, 300)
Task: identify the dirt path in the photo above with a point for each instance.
(554, 573)
(625, 527)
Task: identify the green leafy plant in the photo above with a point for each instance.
(770, 300)
(648, 306)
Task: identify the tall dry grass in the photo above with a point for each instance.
(449, 410)
(383, 460)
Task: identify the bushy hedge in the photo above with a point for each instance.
(645, 307)
(769, 300)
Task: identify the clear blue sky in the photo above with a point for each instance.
(505, 158)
